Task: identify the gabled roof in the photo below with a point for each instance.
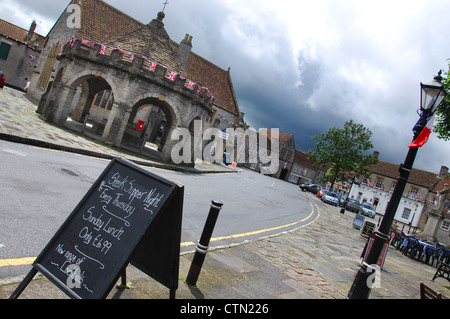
(17, 33)
(216, 79)
(153, 42)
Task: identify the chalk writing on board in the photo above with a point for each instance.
(98, 239)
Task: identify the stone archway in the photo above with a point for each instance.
(84, 115)
(85, 71)
(150, 121)
(71, 98)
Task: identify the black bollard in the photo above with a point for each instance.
(203, 244)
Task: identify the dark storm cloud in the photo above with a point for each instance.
(303, 66)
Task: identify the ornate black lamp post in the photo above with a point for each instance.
(432, 95)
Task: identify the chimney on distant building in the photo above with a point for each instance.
(184, 50)
(443, 172)
(30, 34)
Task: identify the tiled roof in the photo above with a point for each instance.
(153, 42)
(100, 22)
(17, 33)
(303, 160)
(217, 80)
(417, 176)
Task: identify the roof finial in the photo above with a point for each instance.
(165, 4)
(161, 15)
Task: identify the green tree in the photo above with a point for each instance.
(442, 124)
(343, 150)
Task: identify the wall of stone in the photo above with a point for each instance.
(19, 64)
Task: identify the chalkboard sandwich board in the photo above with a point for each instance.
(129, 215)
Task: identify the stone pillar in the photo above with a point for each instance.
(114, 123)
(123, 126)
(83, 107)
(432, 224)
(44, 97)
(59, 103)
(182, 141)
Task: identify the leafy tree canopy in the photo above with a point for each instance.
(442, 124)
(343, 150)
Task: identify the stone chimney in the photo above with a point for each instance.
(443, 172)
(184, 50)
(376, 154)
(31, 32)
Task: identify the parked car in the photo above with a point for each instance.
(330, 198)
(367, 209)
(2, 80)
(320, 192)
(312, 188)
(353, 205)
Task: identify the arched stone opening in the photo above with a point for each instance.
(88, 105)
(148, 126)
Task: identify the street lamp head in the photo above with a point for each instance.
(432, 94)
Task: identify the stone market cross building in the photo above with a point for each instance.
(133, 87)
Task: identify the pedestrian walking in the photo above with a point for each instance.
(27, 85)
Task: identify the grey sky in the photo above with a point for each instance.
(305, 67)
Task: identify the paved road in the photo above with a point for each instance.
(41, 187)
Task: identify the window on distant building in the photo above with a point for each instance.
(379, 182)
(406, 213)
(212, 116)
(413, 192)
(98, 99)
(104, 100)
(4, 50)
(446, 225)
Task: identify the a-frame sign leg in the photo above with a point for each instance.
(123, 279)
(23, 284)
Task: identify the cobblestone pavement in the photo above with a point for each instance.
(318, 261)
